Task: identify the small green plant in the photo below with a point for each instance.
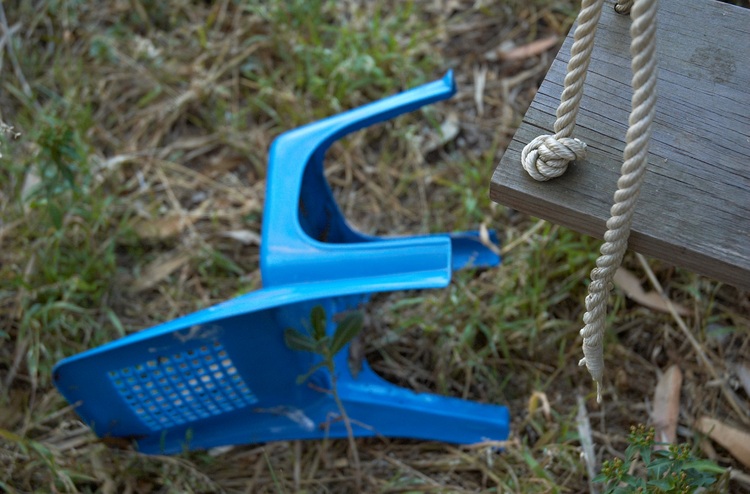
(674, 470)
(317, 341)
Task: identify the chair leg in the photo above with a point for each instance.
(469, 251)
(378, 407)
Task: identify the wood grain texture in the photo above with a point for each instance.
(694, 208)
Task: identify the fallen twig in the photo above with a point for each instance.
(587, 443)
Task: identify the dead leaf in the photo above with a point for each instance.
(536, 399)
(158, 270)
(356, 355)
(246, 237)
(667, 405)
(503, 52)
(163, 228)
(629, 283)
(449, 130)
(743, 373)
(480, 79)
(30, 185)
(736, 441)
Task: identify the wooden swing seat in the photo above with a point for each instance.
(694, 207)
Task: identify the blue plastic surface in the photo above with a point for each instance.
(305, 236)
(225, 376)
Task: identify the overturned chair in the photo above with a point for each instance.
(224, 375)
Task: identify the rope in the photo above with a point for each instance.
(548, 156)
(555, 152)
(623, 6)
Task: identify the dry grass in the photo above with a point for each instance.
(135, 190)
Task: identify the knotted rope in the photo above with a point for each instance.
(548, 156)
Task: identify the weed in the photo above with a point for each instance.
(24, 449)
(318, 342)
(67, 255)
(338, 62)
(7, 132)
(674, 470)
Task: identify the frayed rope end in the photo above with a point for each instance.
(598, 382)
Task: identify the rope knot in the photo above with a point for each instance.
(548, 157)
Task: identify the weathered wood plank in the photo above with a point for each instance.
(694, 208)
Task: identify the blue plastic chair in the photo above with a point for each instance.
(305, 236)
(225, 376)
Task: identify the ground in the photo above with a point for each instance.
(131, 192)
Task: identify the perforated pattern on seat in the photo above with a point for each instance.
(183, 387)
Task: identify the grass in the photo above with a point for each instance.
(135, 189)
